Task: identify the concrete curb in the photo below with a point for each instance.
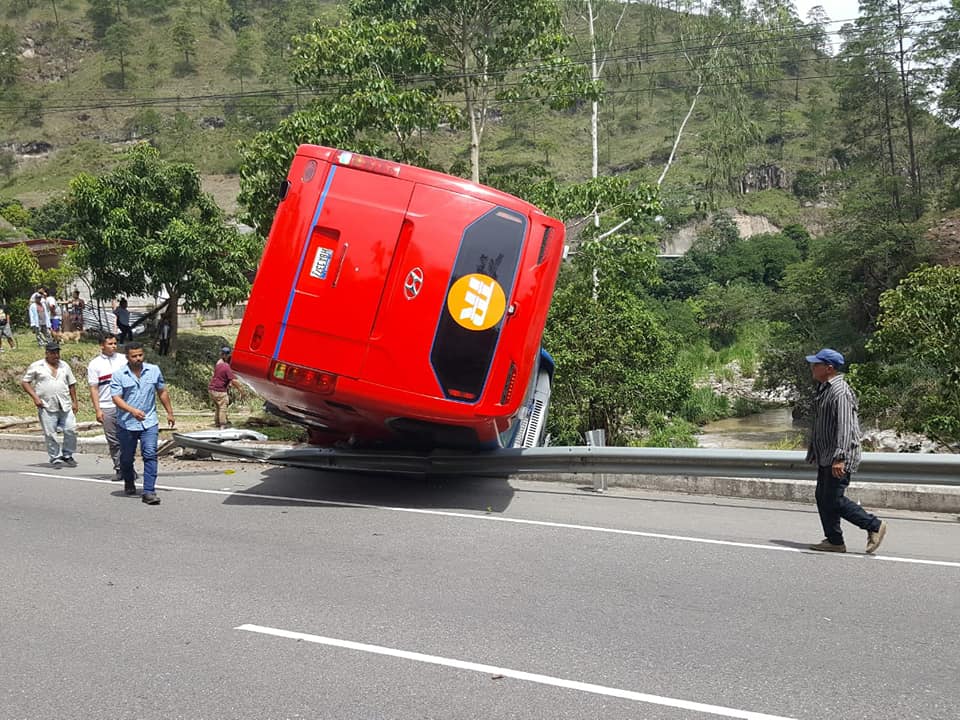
(96, 445)
(921, 498)
(893, 496)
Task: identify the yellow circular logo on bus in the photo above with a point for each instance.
(476, 302)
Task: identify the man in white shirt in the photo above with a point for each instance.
(37, 314)
(53, 388)
(53, 314)
(99, 373)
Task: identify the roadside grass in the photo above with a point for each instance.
(704, 404)
(791, 442)
(186, 378)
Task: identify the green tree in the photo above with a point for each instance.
(240, 15)
(724, 309)
(102, 14)
(8, 162)
(876, 46)
(184, 37)
(19, 271)
(728, 56)
(602, 19)
(117, 43)
(483, 44)
(8, 57)
(916, 373)
(806, 184)
(147, 227)
(243, 61)
(616, 365)
(14, 213)
(366, 108)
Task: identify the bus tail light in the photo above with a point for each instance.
(303, 378)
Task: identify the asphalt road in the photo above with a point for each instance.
(258, 592)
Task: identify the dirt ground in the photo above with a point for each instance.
(946, 237)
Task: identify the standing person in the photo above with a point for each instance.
(219, 386)
(134, 390)
(163, 336)
(6, 328)
(124, 331)
(75, 309)
(38, 319)
(835, 448)
(53, 388)
(99, 374)
(53, 315)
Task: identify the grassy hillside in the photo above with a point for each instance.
(68, 99)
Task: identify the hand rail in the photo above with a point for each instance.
(922, 469)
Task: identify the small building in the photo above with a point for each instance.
(48, 251)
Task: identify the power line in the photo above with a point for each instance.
(330, 88)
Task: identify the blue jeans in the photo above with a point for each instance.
(49, 420)
(832, 505)
(148, 451)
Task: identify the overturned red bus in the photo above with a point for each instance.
(400, 307)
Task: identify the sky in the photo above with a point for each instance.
(835, 9)
(839, 12)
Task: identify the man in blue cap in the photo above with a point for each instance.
(835, 448)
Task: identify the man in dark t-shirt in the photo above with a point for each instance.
(219, 386)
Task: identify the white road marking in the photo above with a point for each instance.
(516, 674)
(521, 521)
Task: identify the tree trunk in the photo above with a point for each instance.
(889, 129)
(908, 115)
(174, 316)
(594, 105)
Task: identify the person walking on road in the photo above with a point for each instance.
(135, 389)
(219, 387)
(835, 448)
(99, 374)
(51, 385)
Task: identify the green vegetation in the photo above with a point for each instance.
(741, 107)
(187, 376)
(161, 234)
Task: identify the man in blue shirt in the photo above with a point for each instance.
(134, 390)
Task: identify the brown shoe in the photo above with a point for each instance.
(875, 538)
(827, 546)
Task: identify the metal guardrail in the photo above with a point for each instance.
(922, 469)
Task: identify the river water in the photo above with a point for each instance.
(758, 431)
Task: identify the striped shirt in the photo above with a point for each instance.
(99, 373)
(836, 429)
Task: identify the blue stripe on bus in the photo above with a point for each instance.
(303, 255)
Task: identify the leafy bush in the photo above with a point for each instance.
(703, 406)
(806, 184)
(19, 272)
(918, 342)
(616, 365)
(14, 213)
